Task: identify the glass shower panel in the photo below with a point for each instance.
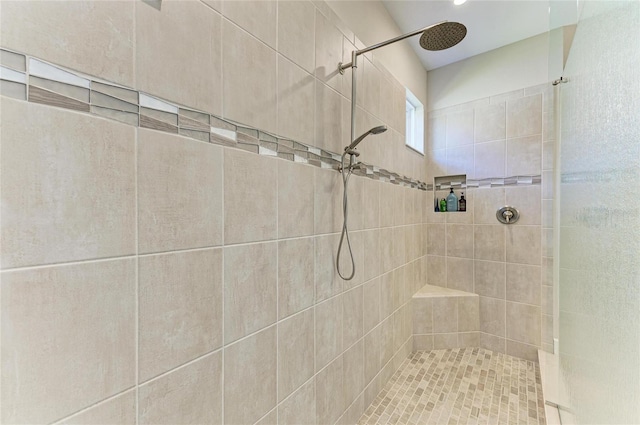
(599, 217)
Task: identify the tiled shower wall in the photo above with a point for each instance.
(156, 278)
(509, 267)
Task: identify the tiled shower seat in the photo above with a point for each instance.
(445, 318)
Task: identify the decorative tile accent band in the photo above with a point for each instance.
(51, 85)
(489, 182)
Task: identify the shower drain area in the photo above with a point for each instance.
(460, 386)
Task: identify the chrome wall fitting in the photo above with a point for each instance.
(507, 215)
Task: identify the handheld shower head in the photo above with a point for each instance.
(375, 130)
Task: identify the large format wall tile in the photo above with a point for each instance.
(119, 410)
(250, 288)
(256, 17)
(250, 197)
(189, 395)
(180, 308)
(68, 186)
(179, 192)
(249, 83)
(250, 377)
(95, 37)
(296, 101)
(178, 53)
(296, 32)
(295, 199)
(296, 279)
(296, 354)
(328, 52)
(68, 338)
(300, 408)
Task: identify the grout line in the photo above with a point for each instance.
(70, 263)
(97, 404)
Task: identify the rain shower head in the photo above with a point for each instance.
(375, 130)
(443, 36)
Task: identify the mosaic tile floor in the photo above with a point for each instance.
(460, 386)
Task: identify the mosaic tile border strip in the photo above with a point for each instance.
(27, 78)
(526, 180)
(464, 385)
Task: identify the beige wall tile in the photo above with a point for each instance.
(390, 292)
(422, 342)
(180, 309)
(489, 243)
(372, 349)
(445, 341)
(327, 280)
(327, 201)
(250, 197)
(489, 159)
(387, 249)
(460, 240)
(460, 273)
(523, 244)
(118, 410)
(328, 118)
(295, 199)
(295, 352)
(68, 186)
(524, 116)
(92, 37)
(436, 241)
(468, 314)
(179, 192)
(328, 331)
(189, 395)
(80, 346)
(422, 315)
(523, 283)
(460, 128)
(460, 160)
(249, 83)
(256, 17)
(353, 412)
(492, 342)
(300, 408)
(492, 316)
(371, 87)
(296, 100)
(178, 53)
(445, 314)
(524, 156)
(528, 202)
(329, 393)
(523, 351)
(250, 373)
(250, 288)
(489, 278)
(296, 287)
(371, 254)
(270, 418)
(523, 323)
(437, 270)
(437, 133)
(353, 380)
(353, 316)
(485, 204)
(296, 32)
(371, 203)
(328, 42)
(371, 308)
(357, 240)
(386, 341)
(469, 339)
(490, 123)
(386, 205)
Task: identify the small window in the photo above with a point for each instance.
(415, 123)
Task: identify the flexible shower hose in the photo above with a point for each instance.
(346, 173)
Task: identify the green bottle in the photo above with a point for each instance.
(443, 205)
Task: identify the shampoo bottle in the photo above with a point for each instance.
(462, 203)
(452, 201)
(443, 205)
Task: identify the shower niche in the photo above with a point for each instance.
(442, 187)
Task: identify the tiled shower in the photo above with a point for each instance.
(171, 214)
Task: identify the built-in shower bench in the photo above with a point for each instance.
(445, 318)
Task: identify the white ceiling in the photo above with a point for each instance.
(490, 24)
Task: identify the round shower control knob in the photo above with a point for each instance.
(507, 215)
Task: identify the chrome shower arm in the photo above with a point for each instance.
(353, 63)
